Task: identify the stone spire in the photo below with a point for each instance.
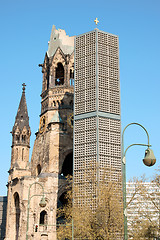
(21, 135)
(22, 119)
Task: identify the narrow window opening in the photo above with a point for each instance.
(67, 168)
(17, 211)
(38, 169)
(23, 138)
(47, 77)
(17, 138)
(59, 80)
(43, 217)
(16, 153)
(71, 81)
(54, 103)
(22, 154)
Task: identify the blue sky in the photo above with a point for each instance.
(25, 28)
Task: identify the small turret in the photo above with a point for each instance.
(21, 135)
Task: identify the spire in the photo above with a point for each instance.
(22, 119)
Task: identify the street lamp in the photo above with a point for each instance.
(42, 203)
(149, 160)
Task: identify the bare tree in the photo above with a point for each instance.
(104, 222)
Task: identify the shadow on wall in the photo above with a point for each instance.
(65, 146)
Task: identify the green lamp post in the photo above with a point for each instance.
(42, 203)
(149, 160)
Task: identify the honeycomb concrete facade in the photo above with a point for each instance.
(97, 120)
(3, 211)
(97, 125)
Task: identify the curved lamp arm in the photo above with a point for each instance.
(34, 184)
(135, 144)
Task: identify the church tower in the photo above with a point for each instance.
(19, 168)
(55, 127)
(21, 136)
(97, 119)
(52, 156)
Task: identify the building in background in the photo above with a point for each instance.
(143, 199)
(3, 211)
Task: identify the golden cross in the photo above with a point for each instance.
(96, 21)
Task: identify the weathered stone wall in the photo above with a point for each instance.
(50, 185)
(53, 149)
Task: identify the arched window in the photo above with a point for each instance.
(43, 217)
(17, 138)
(62, 201)
(54, 103)
(71, 78)
(17, 213)
(67, 168)
(16, 153)
(47, 76)
(22, 154)
(38, 170)
(16, 200)
(23, 138)
(59, 80)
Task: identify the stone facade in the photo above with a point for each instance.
(52, 156)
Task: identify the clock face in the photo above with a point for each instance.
(70, 120)
(42, 124)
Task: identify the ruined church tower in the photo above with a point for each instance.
(52, 156)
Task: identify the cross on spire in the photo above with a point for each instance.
(24, 87)
(96, 21)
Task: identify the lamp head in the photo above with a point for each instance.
(42, 202)
(149, 158)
